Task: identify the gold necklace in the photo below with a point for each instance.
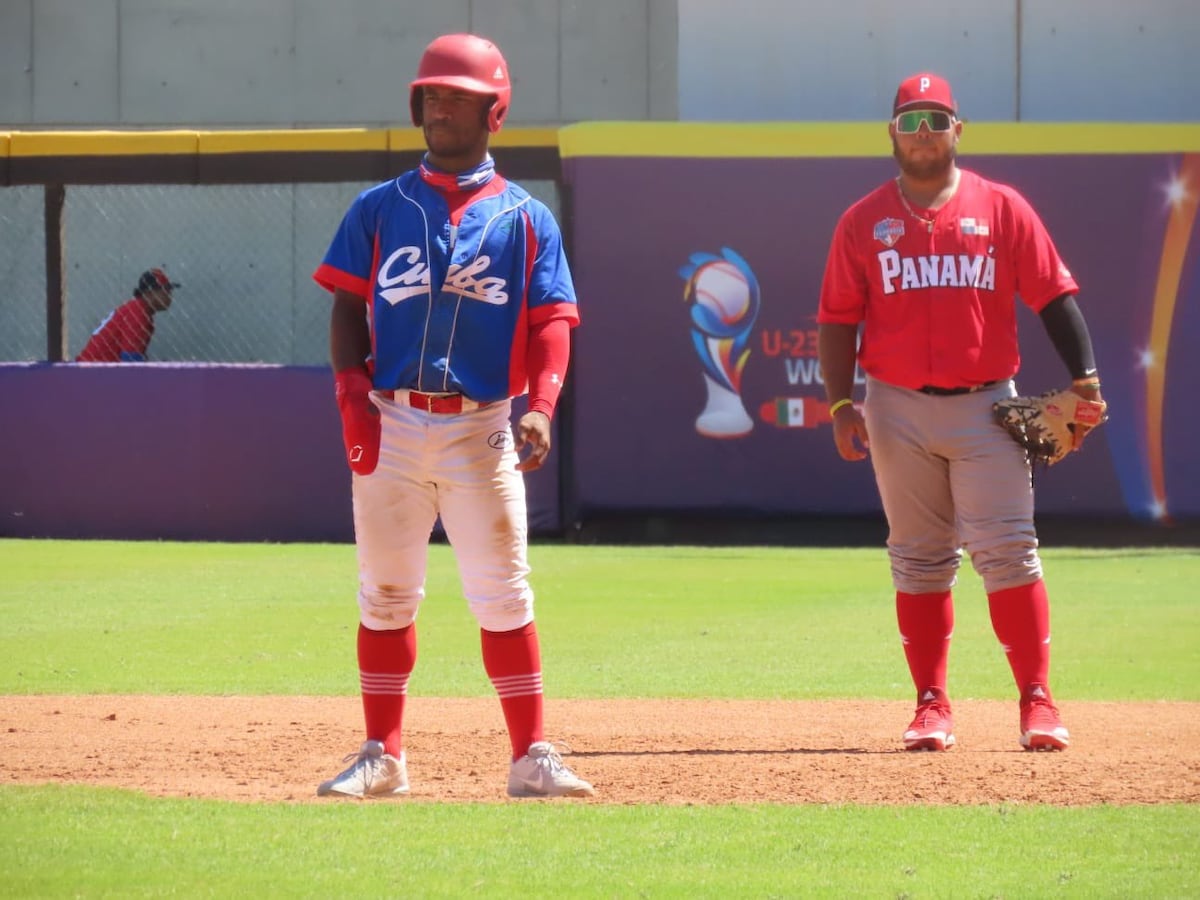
(928, 223)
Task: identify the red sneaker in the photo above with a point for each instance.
(1041, 728)
(933, 726)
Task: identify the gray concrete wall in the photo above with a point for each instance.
(229, 63)
(1111, 60)
(1022, 60)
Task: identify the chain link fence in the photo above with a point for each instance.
(243, 254)
(22, 274)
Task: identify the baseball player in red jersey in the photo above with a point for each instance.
(125, 333)
(452, 295)
(930, 265)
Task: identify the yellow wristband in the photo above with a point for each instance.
(835, 406)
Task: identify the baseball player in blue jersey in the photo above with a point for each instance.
(451, 295)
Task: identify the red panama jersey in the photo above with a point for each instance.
(123, 336)
(936, 290)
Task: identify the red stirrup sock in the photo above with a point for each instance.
(1021, 620)
(513, 662)
(926, 625)
(385, 662)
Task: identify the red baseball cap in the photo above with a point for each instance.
(922, 90)
(155, 278)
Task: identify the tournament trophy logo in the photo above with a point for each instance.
(723, 296)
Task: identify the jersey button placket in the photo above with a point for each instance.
(934, 354)
(941, 355)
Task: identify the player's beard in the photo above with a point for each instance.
(931, 168)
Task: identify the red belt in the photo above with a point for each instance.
(435, 403)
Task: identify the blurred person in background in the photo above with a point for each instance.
(125, 333)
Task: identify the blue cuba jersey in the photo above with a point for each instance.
(450, 308)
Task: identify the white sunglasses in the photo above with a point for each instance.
(934, 119)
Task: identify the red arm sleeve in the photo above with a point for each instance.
(546, 361)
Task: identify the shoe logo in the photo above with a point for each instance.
(927, 696)
(543, 779)
(1037, 692)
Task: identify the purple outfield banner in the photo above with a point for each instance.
(696, 377)
(158, 451)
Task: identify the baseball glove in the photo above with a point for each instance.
(1051, 425)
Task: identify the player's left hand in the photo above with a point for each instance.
(1053, 424)
(1080, 430)
(533, 431)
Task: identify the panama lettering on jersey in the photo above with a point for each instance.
(450, 308)
(947, 283)
(908, 273)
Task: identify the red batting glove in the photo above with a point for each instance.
(360, 419)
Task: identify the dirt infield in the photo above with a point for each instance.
(276, 749)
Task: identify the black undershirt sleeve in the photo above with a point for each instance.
(1068, 332)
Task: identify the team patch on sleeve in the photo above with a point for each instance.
(888, 231)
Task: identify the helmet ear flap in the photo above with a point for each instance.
(416, 100)
(496, 115)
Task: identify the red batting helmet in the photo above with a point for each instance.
(469, 63)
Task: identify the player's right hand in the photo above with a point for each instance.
(850, 433)
(533, 431)
(361, 426)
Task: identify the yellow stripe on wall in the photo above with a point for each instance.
(102, 143)
(405, 139)
(865, 139)
(525, 137)
(723, 139)
(310, 140)
(730, 140)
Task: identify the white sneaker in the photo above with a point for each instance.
(542, 773)
(372, 774)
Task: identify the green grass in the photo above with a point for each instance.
(176, 618)
(62, 842)
(101, 617)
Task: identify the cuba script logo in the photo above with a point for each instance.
(404, 275)
(936, 270)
